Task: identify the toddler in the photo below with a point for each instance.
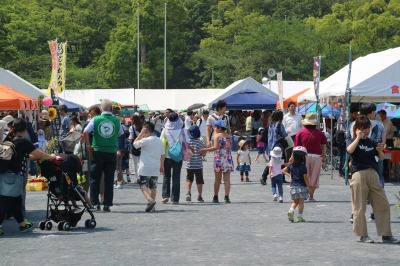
(260, 145)
(275, 173)
(243, 160)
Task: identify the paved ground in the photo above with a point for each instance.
(252, 230)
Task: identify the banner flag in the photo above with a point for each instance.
(316, 76)
(280, 88)
(54, 64)
(61, 52)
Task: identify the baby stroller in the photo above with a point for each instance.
(62, 176)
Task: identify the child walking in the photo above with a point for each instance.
(194, 166)
(223, 162)
(243, 160)
(260, 145)
(275, 173)
(151, 163)
(300, 182)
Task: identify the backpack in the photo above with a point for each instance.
(264, 136)
(7, 154)
(175, 152)
(224, 117)
(135, 152)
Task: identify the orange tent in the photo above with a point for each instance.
(292, 98)
(13, 100)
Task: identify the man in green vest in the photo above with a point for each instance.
(106, 129)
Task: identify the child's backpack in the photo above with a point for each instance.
(7, 154)
(175, 152)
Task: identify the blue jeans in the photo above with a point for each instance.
(171, 165)
(277, 180)
(380, 173)
(102, 162)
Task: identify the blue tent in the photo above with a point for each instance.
(249, 100)
(72, 107)
(312, 108)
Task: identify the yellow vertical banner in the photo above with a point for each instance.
(54, 65)
(61, 52)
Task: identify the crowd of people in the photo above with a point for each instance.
(163, 143)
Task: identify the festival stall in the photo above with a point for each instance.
(292, 98)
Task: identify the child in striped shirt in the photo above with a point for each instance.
(194, 166)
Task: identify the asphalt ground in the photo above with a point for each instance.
(252, 230)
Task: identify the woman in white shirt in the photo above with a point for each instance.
(173, 131)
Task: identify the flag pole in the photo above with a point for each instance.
(165, 46)
(348, 103)
(138, 54)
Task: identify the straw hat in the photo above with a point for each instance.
(310, 120)
(8, 119)
(241, 143)
(46, 117)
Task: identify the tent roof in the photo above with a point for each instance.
(241, 85)
(11, 80)
(292, 98)
(72, 107)
(249, 100)
(11, 100)
(374, 77)
(290, 87)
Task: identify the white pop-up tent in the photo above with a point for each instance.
(17, 83)
(375, 77)
(247, 85)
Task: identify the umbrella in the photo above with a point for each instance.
(388, 107)
(195, 106)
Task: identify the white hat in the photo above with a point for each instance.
(276, 152)
(8, 119)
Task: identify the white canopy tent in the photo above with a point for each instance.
(240, 85)
(17, 83)
(290, 88)
(375, 77)
(155, 99)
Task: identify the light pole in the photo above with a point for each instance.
(165, 46)
(138, 53)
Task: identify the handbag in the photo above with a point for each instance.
(281, 141)
(186, 152)
(11, 184)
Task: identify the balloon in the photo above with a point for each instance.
(47, 101)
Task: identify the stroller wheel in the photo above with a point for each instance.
(87, 223)
(66, 226)
(60, 226)
(48, 225)
(42, 225)
(92, 223)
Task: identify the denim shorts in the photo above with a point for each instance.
(148, 181)
(261, 150)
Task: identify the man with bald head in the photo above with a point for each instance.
(106, 129)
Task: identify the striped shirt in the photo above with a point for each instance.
(196, 161)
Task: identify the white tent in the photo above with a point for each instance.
(290, 88)
(375, 77)
(17, 83)
(240, 85)
(155, 99)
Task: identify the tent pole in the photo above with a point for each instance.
(332, 136)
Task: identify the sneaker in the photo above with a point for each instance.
(119, 186)
(154, 209)
(28, 227)
(215, 199)
(200, 199)
(390, 240)
(311, 200)
(92, 208)
(263, 182)
(128, 179)
(98, 207)
(300, 220)
(280, 200)
(291, 216)
(188, 197)
(106, 208)
(372, 217)
(175, 202)
(227, 200)
(351, 219)
(275, 197)
(366, 239)
(165, 200)
(150, 206)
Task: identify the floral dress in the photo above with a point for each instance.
(223, 161)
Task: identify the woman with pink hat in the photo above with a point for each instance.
(315, 143)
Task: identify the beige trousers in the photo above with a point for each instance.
(365, 185)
